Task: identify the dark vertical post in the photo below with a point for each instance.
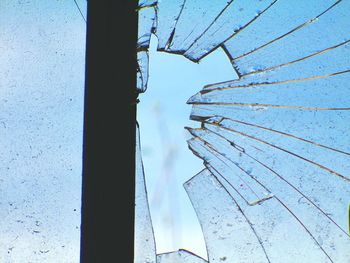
(109, 132)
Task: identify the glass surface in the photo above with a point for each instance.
(179, 256)
(273, 136)
(42, 54)
(145, 250)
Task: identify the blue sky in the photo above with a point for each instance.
(162, 115)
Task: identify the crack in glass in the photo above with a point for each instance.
(275, 141)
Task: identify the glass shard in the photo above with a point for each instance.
(181, 256)
(235, 17)
(145, 249)
(330, 63)
(168, 12)
(297, 95)
(319, 35)
(268, 221)
(295, 122)
(281, 19)
(195, 18)
(223, 223)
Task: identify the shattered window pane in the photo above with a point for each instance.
(42, 54)
(274, 137)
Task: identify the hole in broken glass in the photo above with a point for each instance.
(274, 143)
(162, 116)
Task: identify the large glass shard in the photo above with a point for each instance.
(321, 127)
(235, 17)
(145, 249)
(281, 19)
(272, 222)
(42, 53)
(294, 95)
(331, 63)
(317, 36)
(223, 223)
(181, 256)
(195, 18)
(168, 12)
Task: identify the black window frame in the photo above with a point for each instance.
(108, 191)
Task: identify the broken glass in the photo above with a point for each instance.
(145, 250)
(274, 139)
(234, 18)
(195, 17)
(282, 18)
(222, 222)
(315, 37)
(168, 12)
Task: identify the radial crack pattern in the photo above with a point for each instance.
(275, 141)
